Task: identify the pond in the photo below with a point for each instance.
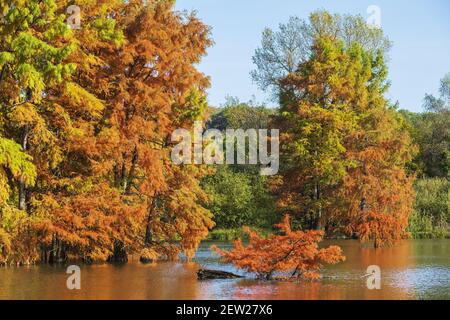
(414, 269)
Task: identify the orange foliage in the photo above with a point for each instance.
(377, 194)
(157, 90)
(291, 251)
(105, 185)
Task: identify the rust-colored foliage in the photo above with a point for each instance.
(96, 130)
(158, 90)
(294, 252)
(377, 194)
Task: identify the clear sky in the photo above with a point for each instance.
(419, 29)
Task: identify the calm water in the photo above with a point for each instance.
(412, 270)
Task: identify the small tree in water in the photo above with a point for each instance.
(295, 252)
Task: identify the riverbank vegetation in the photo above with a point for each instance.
(86, 118)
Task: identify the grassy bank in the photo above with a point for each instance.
(237, 233)
(220, 234)
(431, 235)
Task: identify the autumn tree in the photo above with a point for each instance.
(15, 165)
(293, 252)
(137, 60)
(35, 45)
(345, 148)
(73, 200)
(312, 66)
(314, 129)
(377, 194)
(97, 106)
(34, 48)
(158, 90)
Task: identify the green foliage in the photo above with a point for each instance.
(35, 62)
(17, 239)
(431, 132)
(107, 31)
(228, 235)
(329, 94)
(240, 195)
(15, 162)
(238, 115)
(195, 107)
(431, 216)
(283, 50)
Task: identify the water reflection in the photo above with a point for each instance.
(411, 270)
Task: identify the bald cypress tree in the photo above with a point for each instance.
(345, 149)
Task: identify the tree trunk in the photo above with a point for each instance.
(148, 229)
(44, 253)
(129, 181)
(318, 222)
(22, 186)
(58, 251)
(123, 173)
(120, 254)
(22, 195)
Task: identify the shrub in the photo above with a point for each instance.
(431, 214)
(291, 251)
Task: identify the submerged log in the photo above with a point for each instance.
(204, 274)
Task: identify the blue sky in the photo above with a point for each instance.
(419, 29)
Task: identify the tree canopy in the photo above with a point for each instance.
(85, 121)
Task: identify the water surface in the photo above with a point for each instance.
(415, 269)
